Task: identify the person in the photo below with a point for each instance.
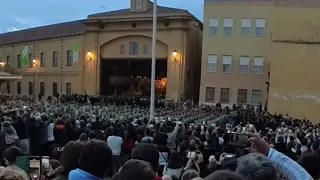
(94, 161)
(23, 134)
(10, 156)
(224, 175)
(189, 175)
(115, 143)
(135, 169)
(147, 152)
(69, 159)
(12, 174)
(147, 138)
(174, 167)
(288, 168)
(11, 136)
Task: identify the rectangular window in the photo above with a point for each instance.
(258, 65)
(244, 64)
(212, 63)
(145, 49)
(122, 50)
(256, 97)
(19, 61)
(68, 89)
(30, 88)
(210, 92)
(8, 87)
(54, 88)
(227, 26)
(42, 60)
(246, 27)
(133, 48)
(242, 96)
(224, 95)
(55, 59)
(18, 87)
(8, 61)
(213, 26)
(69, 58)
(42, 88)
(226, 64)
(260, 27)
(30, 61)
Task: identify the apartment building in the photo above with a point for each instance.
(236, 42)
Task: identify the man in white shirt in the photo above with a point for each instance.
(115, 143)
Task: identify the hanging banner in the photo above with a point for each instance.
(75, 50)
(25, 57)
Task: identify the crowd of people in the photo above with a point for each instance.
(91, 138)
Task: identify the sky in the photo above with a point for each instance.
(22, 14)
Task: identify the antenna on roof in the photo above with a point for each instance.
(104, 8)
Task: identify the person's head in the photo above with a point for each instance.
(147, 152)
(315, 146)
(255, 166)
(95, 158)
(148, 132)
(308, 162)
(12, 174)
(83, 137)
(10, 155)
(189, 174)
(70, 157)
(135, 169)
(224, 175)
(280, 139)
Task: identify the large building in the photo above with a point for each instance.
(107, 53)
(262, 51)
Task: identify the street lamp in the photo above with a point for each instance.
(174, 54)
(34, 64)
(89, 54)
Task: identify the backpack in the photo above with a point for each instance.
(10, 138)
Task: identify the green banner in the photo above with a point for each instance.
(25, 57)
(75, 50)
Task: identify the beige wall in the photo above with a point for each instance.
(236, 46)
(294, 87)
(47, 74)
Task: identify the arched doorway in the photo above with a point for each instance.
(126, 66)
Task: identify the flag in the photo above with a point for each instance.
(25, 57)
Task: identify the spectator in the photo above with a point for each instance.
(69, 159)
(149, 153)
(224, 175)
(12, 174)
(23, 134)
(174, 167)
(190, 174)
(135, 169)
(256, 167)
(115, 143)
(94, 161)
(10, 156)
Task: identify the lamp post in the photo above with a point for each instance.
(34, 65)
(154, 55)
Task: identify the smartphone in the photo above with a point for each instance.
(236, 139)
(45, 161)
(35, 167)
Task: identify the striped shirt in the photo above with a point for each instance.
(288, 168)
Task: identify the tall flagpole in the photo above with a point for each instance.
(154, 55)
